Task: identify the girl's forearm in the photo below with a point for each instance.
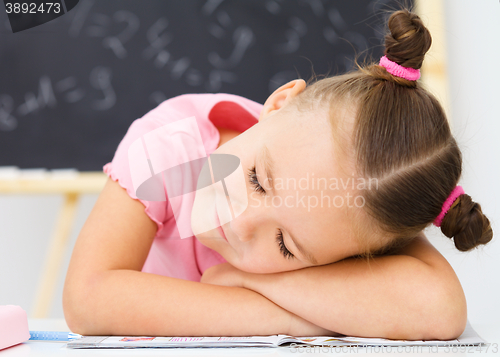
(127, 302)
(397, 297)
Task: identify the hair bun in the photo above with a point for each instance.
(408, 40)
(467, 224)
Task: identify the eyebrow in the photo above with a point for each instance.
(269, 168)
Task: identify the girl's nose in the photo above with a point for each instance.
(248, 224)
(242, 227)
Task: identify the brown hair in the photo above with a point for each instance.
(401, 137)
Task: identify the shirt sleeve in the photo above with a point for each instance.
(119, 169)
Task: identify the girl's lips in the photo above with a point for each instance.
(219, 228)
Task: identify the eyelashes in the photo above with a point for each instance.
(283, 249)
(252, 175)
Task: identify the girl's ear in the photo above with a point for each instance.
(282, 96)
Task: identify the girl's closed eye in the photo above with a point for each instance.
(252, 174)
(279, 238)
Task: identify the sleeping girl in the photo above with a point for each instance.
(323, 233)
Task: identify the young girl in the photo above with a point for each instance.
(379, 163)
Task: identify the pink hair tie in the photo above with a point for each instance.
(457, 191)
(397, 70)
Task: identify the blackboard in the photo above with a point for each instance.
(70, 88)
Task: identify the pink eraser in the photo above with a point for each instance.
(13, 326)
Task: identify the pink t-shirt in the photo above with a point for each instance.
(181, 258)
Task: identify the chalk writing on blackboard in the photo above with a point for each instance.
(67, 88)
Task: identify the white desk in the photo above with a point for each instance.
(490, 333)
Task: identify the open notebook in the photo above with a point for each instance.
(468, 338)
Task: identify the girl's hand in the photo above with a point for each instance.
(223, 274)
(227, 275)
